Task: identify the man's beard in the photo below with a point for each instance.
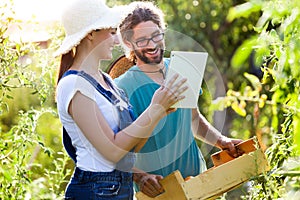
(141, 55)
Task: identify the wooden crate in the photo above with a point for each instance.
(227, 174)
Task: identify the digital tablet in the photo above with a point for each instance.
(190, 65)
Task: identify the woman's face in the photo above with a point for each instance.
(104, 42)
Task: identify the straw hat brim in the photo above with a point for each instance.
(119, 66)
(110, 20)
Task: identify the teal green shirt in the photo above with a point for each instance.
(172, 145)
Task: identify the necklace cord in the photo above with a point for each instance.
(152, 72)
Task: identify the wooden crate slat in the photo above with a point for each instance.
(226, 175)
(223, 178)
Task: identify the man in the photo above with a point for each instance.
(172, 145)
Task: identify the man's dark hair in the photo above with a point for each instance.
(142, 12)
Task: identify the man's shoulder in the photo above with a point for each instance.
(126, 78)
(129, 81)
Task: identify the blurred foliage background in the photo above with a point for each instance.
(251, 88)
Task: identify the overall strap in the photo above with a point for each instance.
(126, 115)
(67, 142)
(107, 94)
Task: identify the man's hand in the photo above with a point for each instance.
(148, 183)
(228, 144)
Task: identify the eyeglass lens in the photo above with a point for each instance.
(145, 42)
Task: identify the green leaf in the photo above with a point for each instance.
(219, 103)
(243, 10)
(296, 124)
(6, 174)
(254, 81)
(242, 53)
(9, 97)
(239, 110)
(262, 23)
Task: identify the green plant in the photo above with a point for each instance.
(275, 97)
(30, 168)
(18, 149)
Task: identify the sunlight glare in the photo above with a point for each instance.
(38, 10)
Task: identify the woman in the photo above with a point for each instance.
(100, 133)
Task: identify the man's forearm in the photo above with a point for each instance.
(203, 130)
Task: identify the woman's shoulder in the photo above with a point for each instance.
(67, 81)
(73, 82)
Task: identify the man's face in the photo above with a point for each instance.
(148, 42)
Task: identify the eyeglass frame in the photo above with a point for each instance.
(148, 40)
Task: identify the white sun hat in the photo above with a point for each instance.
(83, 16)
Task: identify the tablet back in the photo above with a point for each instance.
(190, 65)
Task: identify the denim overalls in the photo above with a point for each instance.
(118, 184)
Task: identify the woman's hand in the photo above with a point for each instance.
(169, 94)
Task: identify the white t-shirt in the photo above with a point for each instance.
(88, 158)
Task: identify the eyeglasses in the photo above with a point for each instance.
(155, 38)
